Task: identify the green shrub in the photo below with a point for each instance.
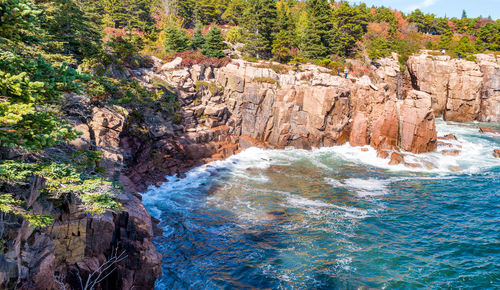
(265, 80)
(234, 34)
(378, 48)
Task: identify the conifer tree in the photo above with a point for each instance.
(198, 38)
(259, 20)
(283, 40)
(349, 25)
(69, 30)
(128, 13)
(319, 12)
(445, 40)
(214, 43)
(465, 47)
(311, 45)
(234, 12)
(176, 39)
(489, 37)
(186, 10)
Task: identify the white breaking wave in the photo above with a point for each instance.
(363, 187)
(248, 167)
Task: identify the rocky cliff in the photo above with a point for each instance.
(242, 104)
(460, 90)
(222, 110)
(118, 244)
(245, 104)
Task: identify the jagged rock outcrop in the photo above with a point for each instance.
(78, 243)
(223, 110)
(246, 104)
(418, 127)
(460, 90)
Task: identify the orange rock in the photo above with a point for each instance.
(418, 128)
(448, 137)
(496, 153)
(382, 154)
(385, 132)
(450, 152)
(413, 165)
(359, 132)
(364, 149)
(396, 158)
(488, 130)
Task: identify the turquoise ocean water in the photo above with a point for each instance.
(334, 218)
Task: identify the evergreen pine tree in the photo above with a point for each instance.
(186, 10)
(465, 47)
(259, 20)
(234, 12)
(198, 38)
(349, 26)
(282, 43)
(445, 40)
(214, 43)
(311, 45)
(464, 14)
(176, 39)
(320, 12)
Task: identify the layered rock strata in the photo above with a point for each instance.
(77, 243)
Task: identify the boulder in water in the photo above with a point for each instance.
(382, 154)
(448, 137)
(455, 169)
(488, 130)
(453, 152)
(396, 158)
(496, 153)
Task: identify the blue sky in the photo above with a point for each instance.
(450, 8)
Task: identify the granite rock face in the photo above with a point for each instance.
(460, 90)
(226, 109)
(78, 243)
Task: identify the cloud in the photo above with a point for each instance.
(423, 4)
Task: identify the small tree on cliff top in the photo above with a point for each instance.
(176, 39)
(198, 38)
(213, 43)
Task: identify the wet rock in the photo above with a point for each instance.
(488, 130)
(448, 137)
(396, 158)
(413, 165)
(382, 154)
(455, 169)
(444, 144)
(450, 152)
(496, 153)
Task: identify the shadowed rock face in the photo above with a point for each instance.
(78, 242)
(460, 90)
